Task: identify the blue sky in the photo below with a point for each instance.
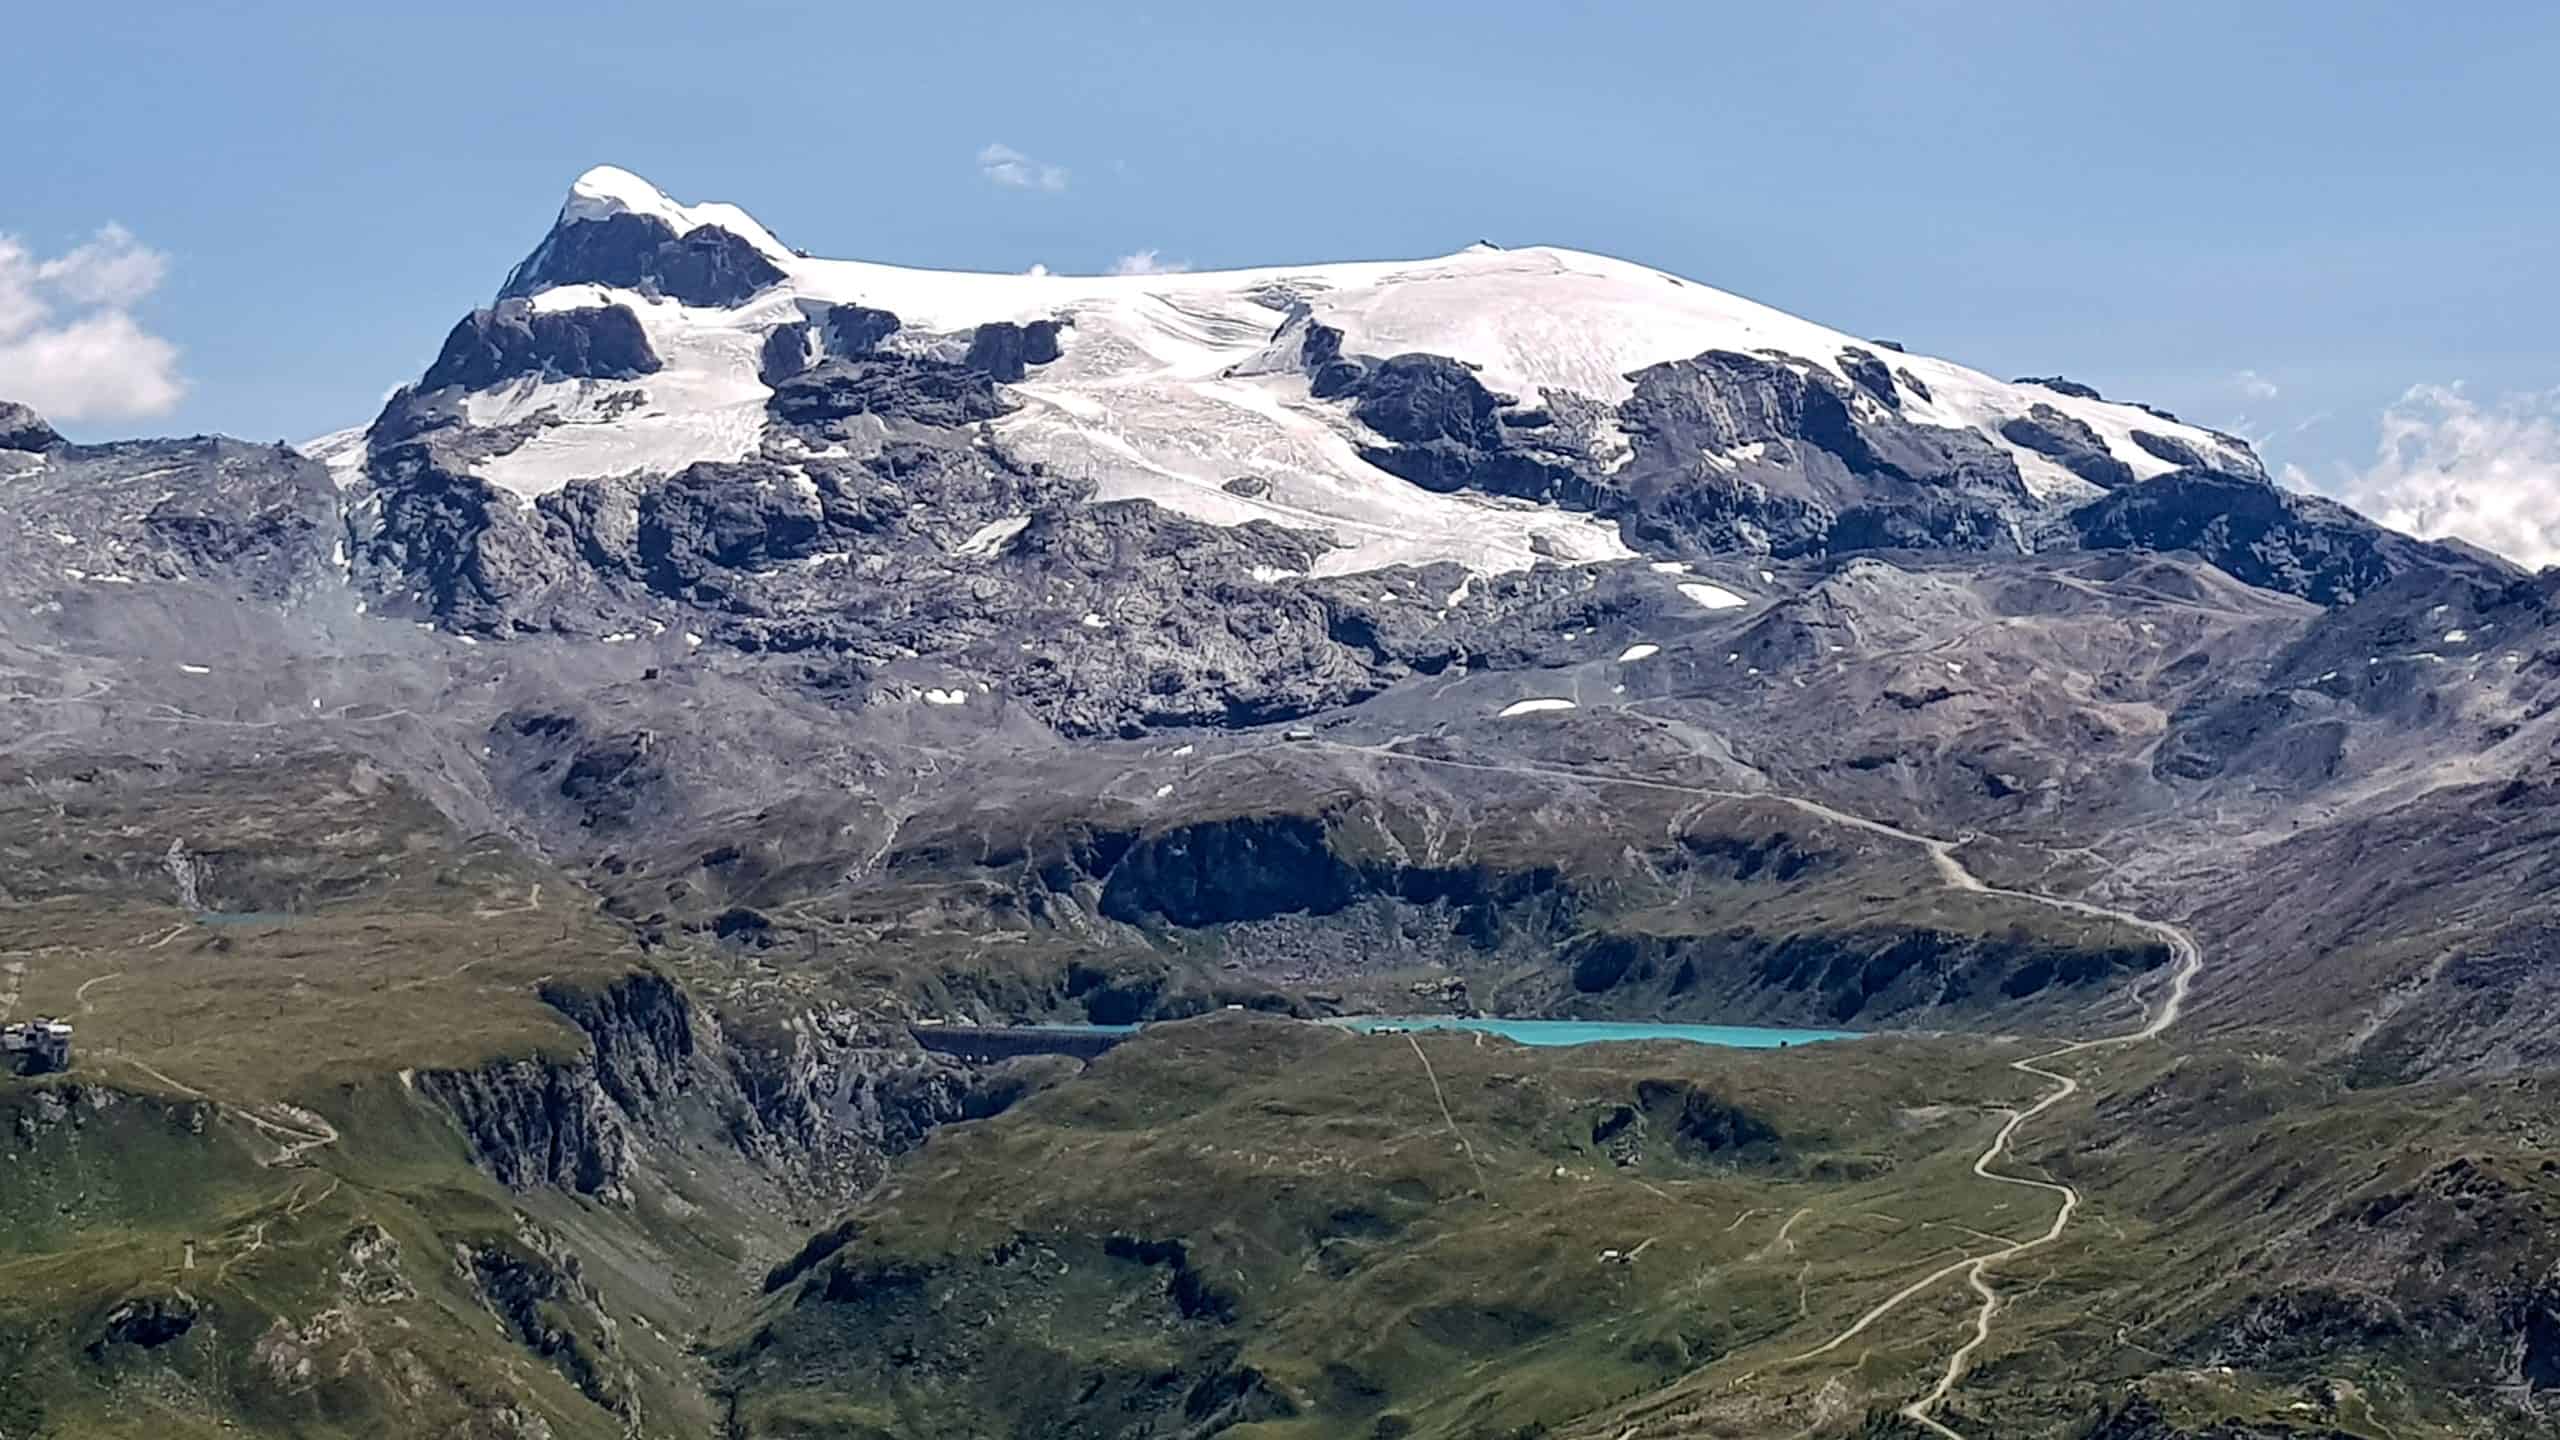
(2276, 217)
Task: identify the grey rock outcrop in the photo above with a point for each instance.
(256, 519)
(858, 329)
(2298, 544)
(2062, 386)
(2070, 443)
(1445, 432)
(706, 266)
(816, 1106)
(1748, 452)
(1006, 350)
(2176, 451)
(925, 392)
(512, 340)
(1869, 374)
(23, 429)
(538, 1122)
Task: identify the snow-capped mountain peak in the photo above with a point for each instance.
(1493, 406)
(609, 190)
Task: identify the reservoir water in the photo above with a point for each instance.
(1595, 1032)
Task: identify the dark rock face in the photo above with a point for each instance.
(144, 1323)
(605, 780)
(470, 553)
(2140, 1418)
(707, 266)
(642, 1030)
(1005, 350)
(2298, 544)
(1698, 1125)
(1445, 434)
(1331, 374)
(927, 392)
(2061, 386)
(714, 532)
(1846, 976)
(1233, 870)
(1869, 374)
(2070, 443)
(537, 1122)
(1746, 452)
(23, 429)
(531, 1293)
(785, 353)
(859, 329)
(2174, 450)
(819, 1105)
(2272, 733)
(513, 339)
(259, 520)
(1195, 1296)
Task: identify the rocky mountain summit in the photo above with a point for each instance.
(592, 776)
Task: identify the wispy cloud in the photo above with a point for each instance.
(1006, 166)
(2449, 465)
(1148, 262)
(69, 345)
(2255, 385)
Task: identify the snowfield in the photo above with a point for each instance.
(1712, 597)
(1169, 386)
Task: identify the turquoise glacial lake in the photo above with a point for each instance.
(1599, 1032)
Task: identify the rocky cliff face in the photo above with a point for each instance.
(707, 265)
(540, 1122)
(24, 430)
(2294, 543)
(514, 341)
(817, 1104)
(257, 519)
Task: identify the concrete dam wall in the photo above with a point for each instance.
(1004, 1042)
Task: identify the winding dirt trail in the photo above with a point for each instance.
(2187, 961)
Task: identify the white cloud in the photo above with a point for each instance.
(1148, 262)
(112, 269)
(69, 345)
(2450, 465)
(2256, 386)
(1006, 166)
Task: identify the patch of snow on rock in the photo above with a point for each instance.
(1533, 707)
(1638, 652)
(1713, 597)
(990, 538)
